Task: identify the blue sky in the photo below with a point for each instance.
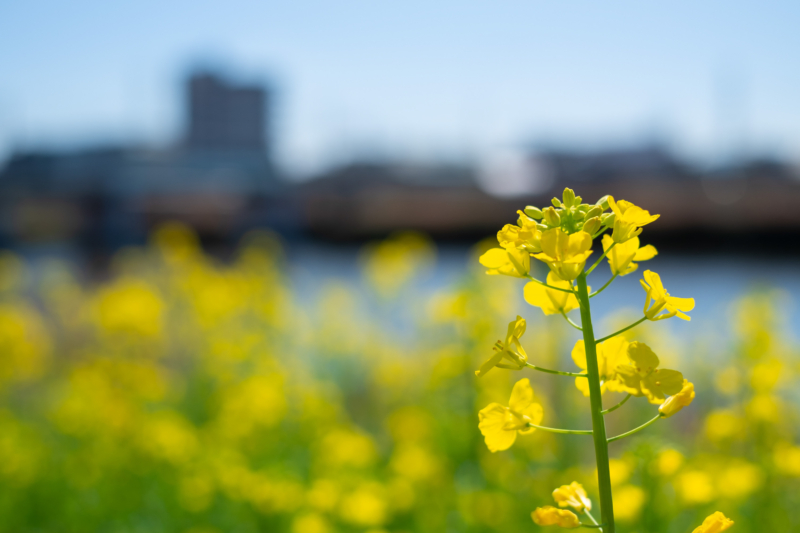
(413, 78)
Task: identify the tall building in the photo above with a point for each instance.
(223, 116)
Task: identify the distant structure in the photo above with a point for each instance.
(220, 170)
(225, 117)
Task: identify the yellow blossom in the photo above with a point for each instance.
(500, 424)
(714, 523)
(642, 377)
(675, 403)
(610, 355)
(622, 256)
(508, 261)
(628, 219)
(551, 301)
(564, 253)
(511, 350)
(551, 516)
(628, 502)
(524, 235)
(661, 300)
(572, 495)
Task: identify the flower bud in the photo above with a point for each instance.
(577, 200)
(592, 225)
(551, 217)
(602, 202)
(608, 219)
(594, 211)
(533, 212)
(556, 202)
(569, 197)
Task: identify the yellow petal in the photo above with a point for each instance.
(489, 364)
(535, 412)
(492, 419)
(579, 355)
(715, 523)
(642, 357)
(646, 252)
(662, 383)
(521, 395)
(536, 295)
(494, 258)
(551, 516)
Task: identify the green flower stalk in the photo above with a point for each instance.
(562, 236)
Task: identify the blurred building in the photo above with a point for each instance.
(215, 178)
(226, 117)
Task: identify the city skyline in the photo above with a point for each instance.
(444, 81)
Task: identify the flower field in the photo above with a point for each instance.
(185, 393)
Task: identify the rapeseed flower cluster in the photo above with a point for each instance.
(562, 237)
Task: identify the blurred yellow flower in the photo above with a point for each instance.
(739, 479)
(714, 523)
(509, 353)
(642, 377)
(565, 253)
(130, 306)
(499, 424)
(366, 506)
(552, 516)
(572, 495)
(723, 424)
(628, 219)
(551, 301)
(675, 403)
(610, 355)
(668, 462)
(787, 459)
(310, 523)
(508, 261)
(622, 256)
(628, 502)
(662, 301)
(695, 487)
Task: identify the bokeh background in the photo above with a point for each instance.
(239, 288)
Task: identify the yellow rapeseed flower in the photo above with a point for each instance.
(511, 350)
(551, 516)
(500, 424)
(524, 235)
(661, 300)
(551, 301)
(610, 355)
(572, 495)
(508, 261)
(565, 253)
(675, 403)
(714, 523)
(622, 256)
(628, 219)
(642, 377)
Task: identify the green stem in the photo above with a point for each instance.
(550, 286)
(596, 400)
(623, 330)
(620, 404)
(601, 258)
(571, 323)
(601, 289)
(596, 524)
(563, 431)
(557, 372)
(636, 430)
